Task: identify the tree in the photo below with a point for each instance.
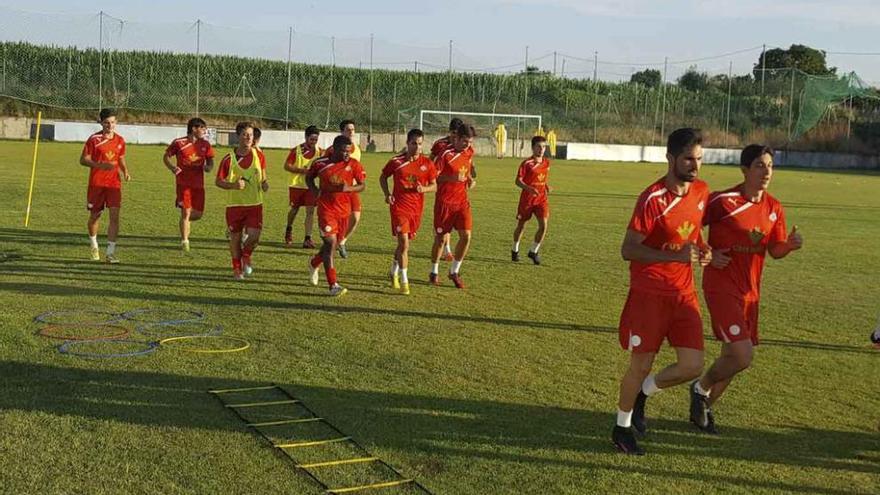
(800, 57)
(648, 77)
(695, 81)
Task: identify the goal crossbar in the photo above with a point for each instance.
(476, 114)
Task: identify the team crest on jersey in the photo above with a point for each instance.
(412, 180)
(773, 217)
(194, 157)
(110, 155)
(335, 180)
(756, 235)
(541, 177)
(684, 230)
(462, 172)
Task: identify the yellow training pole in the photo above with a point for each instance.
(27, 215)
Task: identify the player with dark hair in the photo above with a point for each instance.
(347, 129)
(195, 157)
(532, 179)
(437, 149)
(298, 162)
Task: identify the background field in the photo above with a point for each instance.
(506, 387)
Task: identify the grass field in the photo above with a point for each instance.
(507, 387)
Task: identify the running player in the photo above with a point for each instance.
(104, 154)
(346, 128)
(662, 242)
(437, 149)
(195, 157)
(532, 179)
(745, 224)
(414, 175)
(452, 210)
(339, 175)
(298, 162)
(242, 174)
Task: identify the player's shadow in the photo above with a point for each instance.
(170, 243)
(433, 429)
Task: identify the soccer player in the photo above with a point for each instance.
(532, 179)
(298, 162)
(242, 173)
(452, 210)
(414, 175)
(104, 154)
(195, 157)
(437, 149)
(346, 128)
(662, 242)
(339, 176)
(745, 224)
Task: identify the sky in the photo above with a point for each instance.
(491, 35)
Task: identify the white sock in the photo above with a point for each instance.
(649, 386)
(515, 247)
(342, 242)
(435, 268)
(403, 277)
(395, 267)
(535, 247)
(456, 265)
(699, 389)
(624, 418)
(111, 247)
(93, 240)
(447, 249)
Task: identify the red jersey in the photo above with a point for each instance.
(668, 222)
(107, 150)
(191, 156)
(408, 174)
(534, 172)
(244, 162)
(440, 146)
(746, 229)
(331, 179)
(456, 165)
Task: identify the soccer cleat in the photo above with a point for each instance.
(875, 338)
(639, 424)
(535, 258)
(313, 273)
(184, 245)
(288, 237)
(404, 288)
(395, 280)
(448, 257)
(625, 441)
(337, 290)
(710, 423)
(247, 266)
(95, 254)
(434, 279)
(514, 256)
(237, 274)
(308, 244)
(112, 259)
(343, 252)
(456, 279)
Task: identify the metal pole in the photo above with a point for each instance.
(332, 65)
(289, 54)
(416, 65)
(595, 66)
(69, 67)
(128, 91)
(663, 104)
(450, 76)
(100, 60)
(554, 63)
(727, 122)
(563, 68)
(526, 68)
(849, 119)
(596, 97)
(370, 127)
(526, 91)
(198, 61)
(763, 66)
(791, 104)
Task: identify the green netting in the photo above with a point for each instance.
(820, 94)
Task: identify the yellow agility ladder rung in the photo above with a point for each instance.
(285, 422)
(248, 389)
(311, 443)
(337, 463)
(385, 484)
(268, 403)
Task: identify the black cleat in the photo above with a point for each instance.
(535, 258)
(625, 441)
(639, 424)
(343, 252)
(701, 415)
(710, 423)
(514, 256)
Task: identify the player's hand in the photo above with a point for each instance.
(705, 255)
(241, 184)
(126, 176)
(534, 190)
(207, 168)
(264, 185)
(795, 241)
(720, 258)
(689, 253)
(548, 189)
(420, 188)
(390, 199)
(471, 183)
(176, 170)
(104, 166)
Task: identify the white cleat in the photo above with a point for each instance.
(112, 259)
(184, 245)
(313, 273)
(95, 254)
(337, 290)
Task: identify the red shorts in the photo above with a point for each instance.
(332, 223)
(239, 218)
(301, 197)
(649, 318)
(355, 202)
(405, 222)
(190, 197)
(733, 318)
(528, 207)
(97, 198)
(452, 217)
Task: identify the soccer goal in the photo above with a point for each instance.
(514, 130)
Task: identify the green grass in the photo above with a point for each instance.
(506, 387)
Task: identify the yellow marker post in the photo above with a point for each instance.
(27, 215)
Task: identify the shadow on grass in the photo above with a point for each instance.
(435, 428)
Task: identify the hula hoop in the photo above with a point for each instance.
(245, 343)
(211, 330)
(122, 332)
(49, 317)
(65, 349)
(135, 313)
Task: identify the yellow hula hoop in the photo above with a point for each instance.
(245, 343)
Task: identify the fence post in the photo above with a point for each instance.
(663, 104)
(791, 104)
(198, 61)
(370, 127)
(450, 78)
(287, 103)
(727, 121)
(100, 59)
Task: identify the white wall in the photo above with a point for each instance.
(632, 153)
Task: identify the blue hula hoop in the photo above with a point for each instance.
(65, 349)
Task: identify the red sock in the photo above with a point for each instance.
(236, 264)
(331, 276)
(316, 261)
(246, 252)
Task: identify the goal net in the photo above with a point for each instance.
(517, 130)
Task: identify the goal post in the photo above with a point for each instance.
(519, 128)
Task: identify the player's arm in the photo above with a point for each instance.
(357, 187)
(123, 169)
(209, 164)
(473, 170)
(430, 187)
(265, 184)
(222, 183)
(782, 249)
(173, 168)
(310, 183)
(525, 187)
(86, 160)
(633, 249)
(383, 183)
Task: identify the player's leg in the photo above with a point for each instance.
(288, 230)
(461, 249)
(543, 217)
(353, 221)
(735, 357)
(92, 226)
(112, 234)
(402, 257)
(517, 237)
(447, 247)
(622, 435)
(309, 227)
(247, 249)
(184, 226)
(235, 252)
(436, 249)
